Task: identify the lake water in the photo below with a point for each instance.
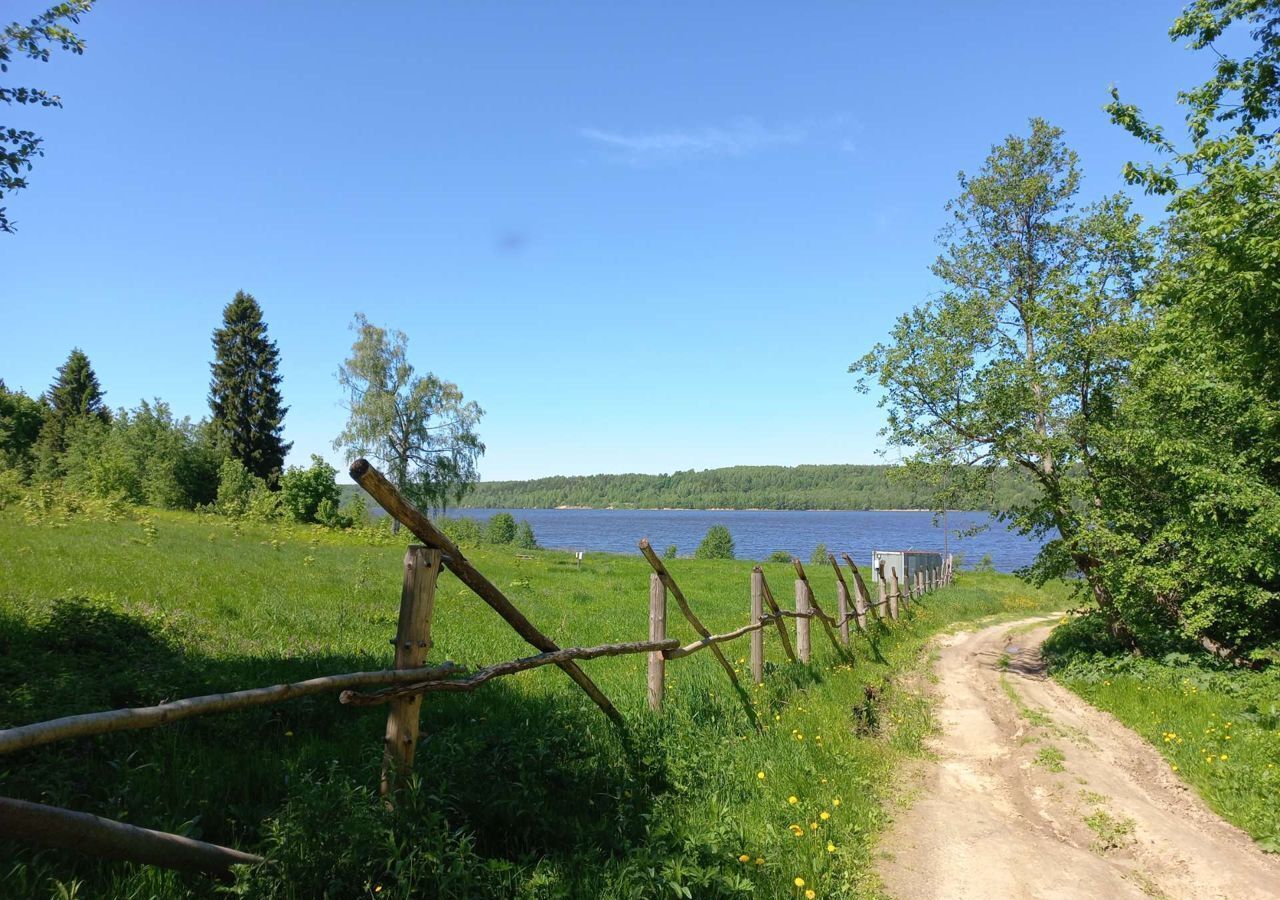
(757, 533)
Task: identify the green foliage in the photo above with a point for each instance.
(244, 393)
(306, 493)
(235, 485)
(744, 487)
(35, 40)
(1017, 363)
(74, 396)
(462, 530)
(670, 552)
(717, 544)
(501, 529)
(819, 555)
(525, 538)
(144, 455)
(780, 556)
(526, 791)
(21, 418)
(419, 428)
(1192, 487)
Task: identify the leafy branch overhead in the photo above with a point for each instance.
(34, 40)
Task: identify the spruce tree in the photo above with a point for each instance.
(75, 396)
(244, 394)
(76, 392)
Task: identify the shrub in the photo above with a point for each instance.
(235, 484)
(819, 555)
(304, 491)
(462, 530)
(501, 529)
(670, 552)
(718, 544)
(525, 539)
(779, 556)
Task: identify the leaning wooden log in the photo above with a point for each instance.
(49, 826)
(400, 509)
(661, 570)
(862, 599)
(843, 604)
(713, 639)
(443, 684)
(777, 613)
(25, 736)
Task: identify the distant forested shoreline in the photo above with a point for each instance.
(737, 487)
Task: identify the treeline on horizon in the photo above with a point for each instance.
(744, 487)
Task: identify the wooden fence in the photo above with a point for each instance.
(403, 686)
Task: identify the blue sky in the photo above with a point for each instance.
(644, 237)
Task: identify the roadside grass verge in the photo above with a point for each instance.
(1218, 726)
(522, 789)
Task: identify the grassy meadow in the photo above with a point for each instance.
(1218, 726)
(522, 789)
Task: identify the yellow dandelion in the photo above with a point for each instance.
(824, 815)
(809, 894)
(799, 882)
(760, 775)
(813, 826)
(759, 860)
(792, 800)
(831, 848)
(1223, 756)
(1174, 767)
(835, 802)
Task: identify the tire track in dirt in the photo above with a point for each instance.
(1036, 794)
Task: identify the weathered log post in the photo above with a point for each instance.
(803, 619)
(757, 637)
(895, 593)
(882, 592)
(657, 632)
(413, 640)
(842, 607)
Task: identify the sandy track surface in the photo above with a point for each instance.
(1037, 794)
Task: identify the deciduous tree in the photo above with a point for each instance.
(417, 426)
(1016, 362)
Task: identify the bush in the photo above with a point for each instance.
(263, 504)
(779, 556)
(501, 529)
(525, 539)
(304, 491)
(463, 531)
(819, 555)
(718, 544)
(670, 552)
(235, 485)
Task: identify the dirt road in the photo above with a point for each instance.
(1037, 794)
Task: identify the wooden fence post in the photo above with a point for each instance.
(757, 637)
(861, 597)
(657, 632)
(803, 620)
(882, 592)
(895, 592)
(413, 640)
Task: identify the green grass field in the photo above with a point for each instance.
(522, 789)
(1218, 726)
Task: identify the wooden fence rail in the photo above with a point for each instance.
(403, 687)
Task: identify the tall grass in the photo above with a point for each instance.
(521, 789)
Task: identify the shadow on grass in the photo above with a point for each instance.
(523, 776)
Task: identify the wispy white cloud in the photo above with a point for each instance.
(740, 138)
